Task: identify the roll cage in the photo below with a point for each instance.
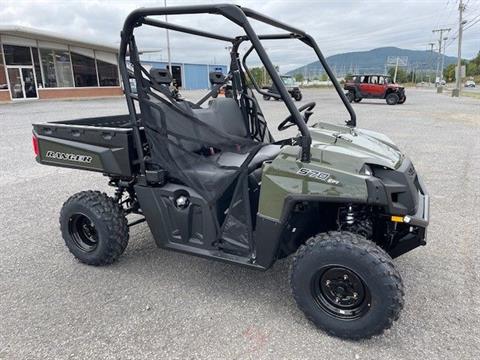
(239, 16)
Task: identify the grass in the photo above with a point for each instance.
(474, 95)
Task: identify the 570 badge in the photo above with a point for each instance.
(320, 175)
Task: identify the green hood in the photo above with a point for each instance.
(349, 148)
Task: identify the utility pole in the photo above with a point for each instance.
(168, 43)
(430, 63)
(396, 69)
(458, 74)
(443, 57)
(441, 31)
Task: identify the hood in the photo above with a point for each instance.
(395, 86)
(353, 147)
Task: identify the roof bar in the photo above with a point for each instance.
(267, 20)
(170, 26)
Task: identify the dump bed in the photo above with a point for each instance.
(103, 144)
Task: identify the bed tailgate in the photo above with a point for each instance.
(103, 149)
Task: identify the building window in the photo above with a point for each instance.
(84, 70)
(48, 65)
(3, 77)
(64, 68)
(107, 73)
(36, 63)
(57, 68)
(17, 55)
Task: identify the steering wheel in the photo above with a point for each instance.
(308, 107)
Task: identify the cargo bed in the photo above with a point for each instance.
(103, 144)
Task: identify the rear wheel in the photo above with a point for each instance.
(350, 96)
(266, 97)
(392, 99)
(357, 100)
(297, 96)
(94, 227)
(402, 100)
(346, 285)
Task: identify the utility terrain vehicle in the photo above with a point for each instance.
(289, 83)
(210, 180)
(374, 87)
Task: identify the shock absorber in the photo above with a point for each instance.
(355, 219)
(350, 216)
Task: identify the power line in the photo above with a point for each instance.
(472, 24)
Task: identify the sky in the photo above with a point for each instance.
(337, 26)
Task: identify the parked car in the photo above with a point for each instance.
(374, 87)
(289, 83)
(470, 83)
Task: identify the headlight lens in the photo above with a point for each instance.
(366, 170)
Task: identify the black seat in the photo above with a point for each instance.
(225, 115)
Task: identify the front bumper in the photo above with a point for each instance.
(405, 200)
(421, 217)
(417, 225)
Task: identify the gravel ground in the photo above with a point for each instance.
(155, 303)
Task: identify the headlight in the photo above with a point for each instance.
(366, 170)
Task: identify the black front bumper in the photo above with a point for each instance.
(404, 196)
(417, 225)
(421, 217)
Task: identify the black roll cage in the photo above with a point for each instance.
(238, 15)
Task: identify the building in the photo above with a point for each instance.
(37, 64)
(189, 76)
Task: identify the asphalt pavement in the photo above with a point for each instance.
(155, 303)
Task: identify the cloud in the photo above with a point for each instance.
(337, 26)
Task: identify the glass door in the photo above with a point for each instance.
(16, 84)
(22, 83)
(29, 87)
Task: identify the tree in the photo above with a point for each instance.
(449, 72)
(402, 75)
(298, 77)
(324, 77)
(260, 75)
(473, 66)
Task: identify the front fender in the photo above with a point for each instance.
(286, 177)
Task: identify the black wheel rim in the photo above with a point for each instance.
(83, 232)
(341, 292)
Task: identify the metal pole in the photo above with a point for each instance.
(168, 43)
(430, 63)
(443, 58)
(396, 69)
(458, 74)
(437, 75)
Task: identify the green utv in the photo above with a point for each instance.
(210, 180)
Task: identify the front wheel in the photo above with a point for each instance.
(94, 227)
(392, 99)
(357, 100)
(402, 100)
(346, 285)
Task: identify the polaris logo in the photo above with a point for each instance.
(70, 157)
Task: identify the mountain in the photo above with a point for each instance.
(374, 61)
